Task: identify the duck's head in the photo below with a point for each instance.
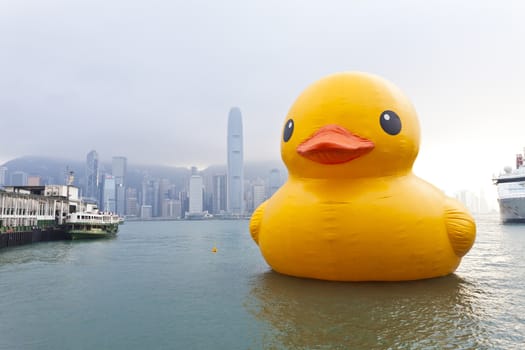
(350, 125)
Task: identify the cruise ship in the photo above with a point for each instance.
(511, 192)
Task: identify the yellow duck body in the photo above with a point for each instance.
(353, 210)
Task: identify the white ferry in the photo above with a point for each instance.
(91, 223)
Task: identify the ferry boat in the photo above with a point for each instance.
(511, 192)
(91, 223)
(30, 214)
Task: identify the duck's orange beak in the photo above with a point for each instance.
(333, 144)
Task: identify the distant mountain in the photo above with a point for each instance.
(53, 170)
(252, 170)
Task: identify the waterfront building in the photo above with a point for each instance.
(3, 175)
(476, 203)
(34, 180)
(146, 212)
(156, 200)
(119, 170)
(23, 208)
(258, 194)
(195, 205)
(108, 194)
(469, 199)
(274, 181)
(184, 203)
(171, 208)
(164, 196)
(235, 201)
(150, 194)
(92, 190)
(220, 194)
(18, 178)
(132, 204)
(175, 208)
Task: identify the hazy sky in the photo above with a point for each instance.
(154, 80)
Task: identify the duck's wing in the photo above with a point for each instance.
(461, 227)
(255, 221)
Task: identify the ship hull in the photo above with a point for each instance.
(13, 239)
(91, 231)
(512, 209)
(91, 235)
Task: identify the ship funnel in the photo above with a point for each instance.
(519, 161)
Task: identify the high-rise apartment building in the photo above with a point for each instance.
(220, 194)
(19, 178)
(146, 212)
(150, 194)
(108, 194)
(34, 180)
(258, 194)
(195, 194)
(92, 177)
(170, 208)
(3, 175)
(132, 204)
(119, 170)
(274, 181)
(235, 163)
(164, 196)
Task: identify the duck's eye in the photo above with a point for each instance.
(390, 122)
(288, 130)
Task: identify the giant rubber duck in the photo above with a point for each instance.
(352, 209)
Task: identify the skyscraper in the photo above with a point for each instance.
(274, 182)
(235, 163)
(132, 206)
(195, 194)
(19, 178)
(258, 194)
(219, 193)
(119, 169)
(34, 180)
(3, 175)
(108, 195)
(92, 179)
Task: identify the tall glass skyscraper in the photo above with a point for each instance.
(274, 182)
(119, 170)
(196, 194)
(92, 179)
(108, 195)
(219, 194)
(235, 163)
(3, 176)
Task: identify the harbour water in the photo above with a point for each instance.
(158, 285)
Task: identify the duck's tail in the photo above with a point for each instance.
(461, 227)
(255, 221)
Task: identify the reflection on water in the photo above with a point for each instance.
(481, 306)
(158, 285)
(437, 313)
(42, 252)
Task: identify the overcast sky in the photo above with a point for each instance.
(153, 80)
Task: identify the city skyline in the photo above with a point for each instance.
(170, 198)
(158, 94)
(224, 194)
